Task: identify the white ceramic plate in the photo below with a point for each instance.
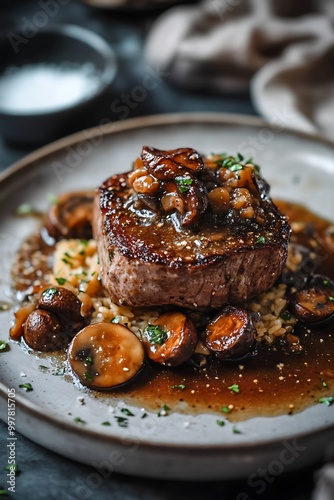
(299, 167)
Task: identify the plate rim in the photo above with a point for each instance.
(105, 130)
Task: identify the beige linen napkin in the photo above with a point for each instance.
(282, 49)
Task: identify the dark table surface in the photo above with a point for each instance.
(44, 474)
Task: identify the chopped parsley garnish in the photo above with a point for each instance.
(88, 376)
(183, 183)
(327, 401)
(234, 388)
(79, 420)
(286, 315)
(323, 382)
(225, 409)
(331, 299)
(156, 335)
(65, 261)
(144, 415)
(122, 421)
(43, 368)
(27, 387)
(221, 423)
(235, 163)
(59, 372)
(106, 423)
(3, 345)
(14, 467)
(49, 293)
(236, 430)
(116, 319)
(61, 281)
(89, 361)
(84, 243)
(261, 239)
(326, 282)
(127, 412)
(25, 209)
(164, 411)
(179, 386)
(52, 199)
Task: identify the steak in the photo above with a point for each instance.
(188, 231)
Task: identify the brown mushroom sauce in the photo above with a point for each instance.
(181, 180)
(286, 376)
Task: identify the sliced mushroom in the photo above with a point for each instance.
(196, 199)
(71, 216)
(231, 334)
(166, 165)
(315, 303)
(105, 355)
(44, 332)
(64, 304)
(171, 339)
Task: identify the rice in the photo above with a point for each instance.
(76, 266)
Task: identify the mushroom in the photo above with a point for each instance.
(231, 334)
(71, 216)
(63, 303)
(44, 332)
(105, 355)
(54, 320)
(171, 339)
(166, 165)
(315, 303)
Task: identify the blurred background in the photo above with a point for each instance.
(124, 27)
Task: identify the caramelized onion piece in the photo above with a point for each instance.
(166, 165)
(105, 355)
(171, 339)
(315, 303)
(231, 334)
(71, 216)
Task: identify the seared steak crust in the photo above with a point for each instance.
(148, 258)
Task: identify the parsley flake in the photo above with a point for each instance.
(286, 316)
(61, 281)
(25, 209)
(156, 335)
(261, 239)
(180, 386)
(106, 423)
(79, 420)
(236, 430)
(122, 421)
(13, 467)
(234, 388)
(27, 387)
(183, 183)
(3, 345)
(116, 319)
(225, 409)
(49, 293)
(164, 411)
(127, 412)
(89, 361)
(327, 401)
(221, 423)
(88, 376)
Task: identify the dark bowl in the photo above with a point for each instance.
(78, 68)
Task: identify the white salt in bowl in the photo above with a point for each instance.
(52, 82)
